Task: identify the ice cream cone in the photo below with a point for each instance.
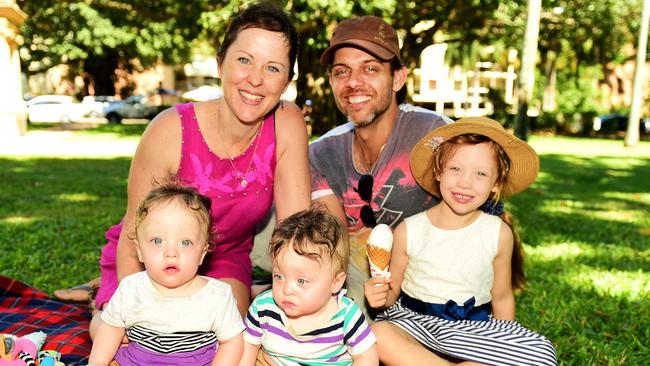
(378, 248)
(380, 257)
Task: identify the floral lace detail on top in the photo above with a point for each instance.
(236, 209)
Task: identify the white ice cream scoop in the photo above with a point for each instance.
(378, 248)
(381, 237)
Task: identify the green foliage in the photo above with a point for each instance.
(97, 36)
(595, 30)
(50, 38)
(578, 98)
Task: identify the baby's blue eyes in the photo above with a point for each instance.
(300, 281)
(159, 242)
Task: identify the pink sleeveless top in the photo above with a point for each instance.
(236, 208)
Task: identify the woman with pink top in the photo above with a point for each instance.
(244, 150)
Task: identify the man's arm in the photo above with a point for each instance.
(334, 206)
(321, 190)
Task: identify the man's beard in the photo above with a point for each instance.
(384, 105)
(365, 122)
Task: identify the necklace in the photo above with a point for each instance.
(242, 177)
(364, 159)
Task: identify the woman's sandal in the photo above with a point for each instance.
(81, 293)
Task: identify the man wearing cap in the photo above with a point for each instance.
(360, 170)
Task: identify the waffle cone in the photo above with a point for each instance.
(380, 257)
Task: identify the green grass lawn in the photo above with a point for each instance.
(585, 225)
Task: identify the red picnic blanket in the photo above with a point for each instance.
(24, 309)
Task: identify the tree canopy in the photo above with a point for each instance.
(98, 36)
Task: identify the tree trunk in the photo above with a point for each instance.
(527, 76)
(102, 71)
(632, 133)
(551, 80)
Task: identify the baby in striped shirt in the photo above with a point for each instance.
(306, 319)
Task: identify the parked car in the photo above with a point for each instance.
(203, 93)
(135, 106)
(54, 108)
(94, 105)
(616, 122)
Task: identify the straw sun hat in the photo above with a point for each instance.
(524, 162)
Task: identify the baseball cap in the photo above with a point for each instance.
(370, 33)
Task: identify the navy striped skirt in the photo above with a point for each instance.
(490, 342)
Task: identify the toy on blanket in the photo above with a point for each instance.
(22, 351)
(378, 247)
(49, 358)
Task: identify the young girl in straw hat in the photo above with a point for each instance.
(454, 267)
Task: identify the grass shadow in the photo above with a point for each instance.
(53, 216)
(585, 326)
(585, 224)
(587, 200)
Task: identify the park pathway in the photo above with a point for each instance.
(66, 144)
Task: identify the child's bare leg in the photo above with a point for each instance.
(397, 347)
(94, 323)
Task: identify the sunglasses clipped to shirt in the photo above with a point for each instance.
(364, 189)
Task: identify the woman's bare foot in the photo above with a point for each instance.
(81, 293)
